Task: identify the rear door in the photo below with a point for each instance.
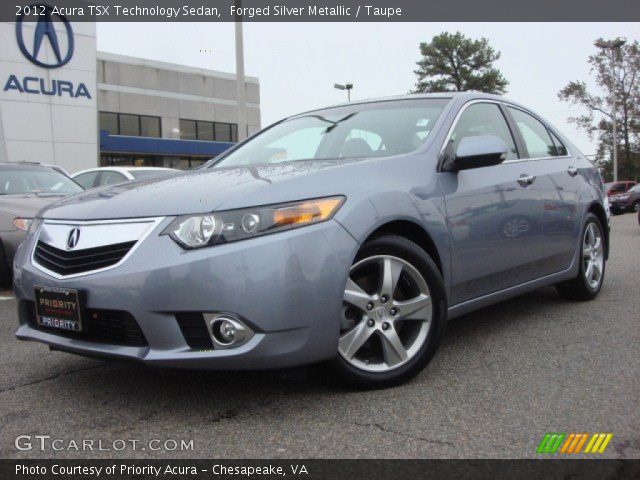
(560, 182)
(493, 213)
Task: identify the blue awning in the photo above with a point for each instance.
(160, 146)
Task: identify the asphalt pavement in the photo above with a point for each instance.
(504, 377)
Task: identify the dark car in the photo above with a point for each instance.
(25, 189)
(625, 202)
(619, 187)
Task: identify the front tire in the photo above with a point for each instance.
(5, 270)
(587, 284)
(394, 314)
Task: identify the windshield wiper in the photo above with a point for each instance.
(333, 123)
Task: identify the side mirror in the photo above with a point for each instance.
(476, 152)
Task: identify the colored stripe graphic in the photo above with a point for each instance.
(598, 443)
(572, 443)
(550, 443)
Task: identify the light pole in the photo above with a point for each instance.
(614, 46)
(347, 86)
(242, 93)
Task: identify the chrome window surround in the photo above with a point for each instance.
(505, 104)
(152, 222)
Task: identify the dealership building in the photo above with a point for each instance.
(64, 103)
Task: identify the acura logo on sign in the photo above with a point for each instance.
(73, 238)
(45, 28)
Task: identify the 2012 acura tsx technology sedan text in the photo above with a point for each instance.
(348, 234)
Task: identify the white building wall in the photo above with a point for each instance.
(57, 129)
(171, 92)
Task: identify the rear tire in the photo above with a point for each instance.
(390, 328)
(585, 286)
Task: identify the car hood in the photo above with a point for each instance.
(208, 190)
(26, 205)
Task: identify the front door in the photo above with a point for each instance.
(493, 213)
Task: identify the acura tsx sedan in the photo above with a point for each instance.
(348, 235)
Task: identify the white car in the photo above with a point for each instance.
(97, 177)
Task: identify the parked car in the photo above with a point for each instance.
(616, 188)
(625, 202)
(25, 188)
(96, 177)
(348, 234)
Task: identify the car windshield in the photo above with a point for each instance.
(380, 129)
(142, 174)
(22, 181)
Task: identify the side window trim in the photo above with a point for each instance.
(550, 131)
(501, 107)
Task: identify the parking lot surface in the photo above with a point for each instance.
(504, 377)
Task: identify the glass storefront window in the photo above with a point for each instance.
(150, 126)
(109, 122)
(129, 125)
(205, 131)
(188, 130)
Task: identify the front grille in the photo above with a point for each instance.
(113, 327)
(78, 261)
(194, 330)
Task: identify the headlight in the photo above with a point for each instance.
(195, 231)
(23, 223)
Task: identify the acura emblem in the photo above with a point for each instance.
(73, 238)
(45, 28)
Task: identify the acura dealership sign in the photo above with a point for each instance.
(61, 46)
(48, 89)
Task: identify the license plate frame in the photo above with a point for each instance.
(59, 308)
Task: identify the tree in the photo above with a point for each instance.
(597, 121)
(457, 63)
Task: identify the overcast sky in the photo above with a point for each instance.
(298, 63)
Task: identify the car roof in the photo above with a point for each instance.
(469, 95)
(26, 166)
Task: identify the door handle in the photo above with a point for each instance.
(526, 180)
(573, 171)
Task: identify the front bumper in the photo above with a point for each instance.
(288, 287)
(621, 206)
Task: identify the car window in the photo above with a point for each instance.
(108, 177)
(483, 119)
(561, 150)
(86, 179)
(22, 181)
(635, 189)
(620, 187)
(376, 129)
(535, 135)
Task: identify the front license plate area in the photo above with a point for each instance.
(58, 308)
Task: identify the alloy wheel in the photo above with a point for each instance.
(593, 255)
(387, 314)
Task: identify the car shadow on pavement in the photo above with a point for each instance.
(206, 385)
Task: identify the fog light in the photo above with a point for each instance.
(227, 331)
